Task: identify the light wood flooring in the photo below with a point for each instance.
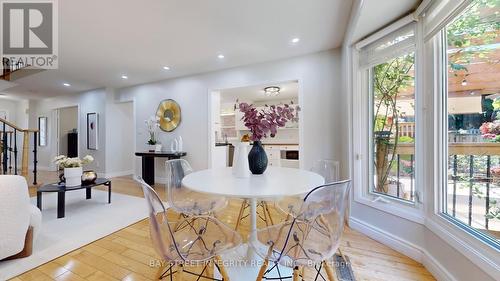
(127, 253)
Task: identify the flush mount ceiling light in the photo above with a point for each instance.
(166, 68)
(272, 91)
(221, 56)
(66, 84)
(124, 77)
(295, 40)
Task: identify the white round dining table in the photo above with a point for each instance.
(275, 183)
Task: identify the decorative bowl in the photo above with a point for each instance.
(89, 177)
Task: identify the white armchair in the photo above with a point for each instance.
(20, 221)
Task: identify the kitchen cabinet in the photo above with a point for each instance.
(276, 155)
(239, 124)
(220, 156)
(273, 155)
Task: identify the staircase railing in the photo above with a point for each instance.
(9, 149)
(8, 68)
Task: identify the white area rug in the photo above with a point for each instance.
(85, 222)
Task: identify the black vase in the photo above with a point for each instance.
(257, 159)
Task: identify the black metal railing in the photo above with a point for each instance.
(476, 174)
(9, 162)
(473, 180)
(470, 181)
(9, 66)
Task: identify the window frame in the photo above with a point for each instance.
(441, 49)
(362, 131)
(482, 254)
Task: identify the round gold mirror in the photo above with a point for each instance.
(169, 113)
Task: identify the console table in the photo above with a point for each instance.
(148, 162)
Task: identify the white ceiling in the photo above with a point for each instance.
(288, 91)
(376, 14)
(101, 40)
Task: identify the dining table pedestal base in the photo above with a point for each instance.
(239, 267)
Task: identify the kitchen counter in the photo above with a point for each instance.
(222, 144)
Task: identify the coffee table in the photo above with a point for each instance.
(61, 190)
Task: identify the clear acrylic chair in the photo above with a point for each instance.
(328, 169)
(183, 200)
(200, 243)
(311, 238)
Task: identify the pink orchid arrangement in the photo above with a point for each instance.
(265, 122)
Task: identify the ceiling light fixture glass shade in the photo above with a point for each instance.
(272, 91)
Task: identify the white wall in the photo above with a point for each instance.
(91, 101)
(319, 79)
(16, 111)
(120, 137)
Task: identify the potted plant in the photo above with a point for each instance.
(263, 123)
(72, 168)
(152, 125)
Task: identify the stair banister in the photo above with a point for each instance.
(7, 148)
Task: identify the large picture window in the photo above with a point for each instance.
(390, 66)
(393, 127)
(471, 195)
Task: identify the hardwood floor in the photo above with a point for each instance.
(127, 254)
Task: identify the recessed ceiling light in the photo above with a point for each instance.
(166, 68)
(124, 77)
(220, 56)
(67, 84)
(272, 91)
(295, 40)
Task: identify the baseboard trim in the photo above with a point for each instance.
(409, 249)
(160, 180)
(118, 174)
(436, 268)
(40, 168)
(387, 239)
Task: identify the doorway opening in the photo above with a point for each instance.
(67, 131)
(227, 127)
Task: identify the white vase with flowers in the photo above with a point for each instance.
(72, 168)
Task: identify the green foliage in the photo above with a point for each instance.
(478, 25)
(379, 123)
(389, 79)
(496, 104)
(406, 139)
(494, 213)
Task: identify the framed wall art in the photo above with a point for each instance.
(92, 131)
(42, 131)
